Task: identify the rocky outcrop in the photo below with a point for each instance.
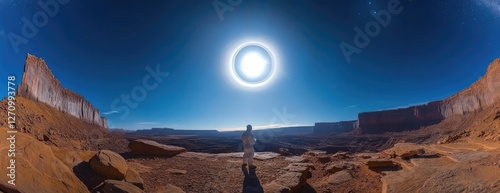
(134, 178)
(115, 186)
(405, 150)
(109, 164)
(335, 127)
(339, 177)
(380, 163)
(480, 94)
(291, 181)
(37, 169)
(39, 84)
(152, 148)
(402, 119)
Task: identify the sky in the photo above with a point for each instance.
(104, 50)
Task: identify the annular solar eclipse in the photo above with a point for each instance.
(252, 64)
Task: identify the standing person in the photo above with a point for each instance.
(248, 151)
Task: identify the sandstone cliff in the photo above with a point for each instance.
(40, 84)
(480, 94)
(483, 92)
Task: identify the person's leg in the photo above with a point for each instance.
(245, 157)
(250, 157)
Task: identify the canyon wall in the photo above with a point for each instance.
(335, 127)
(39, 84)
(402, 119)
(482, 93)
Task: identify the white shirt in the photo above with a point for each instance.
(248, 139)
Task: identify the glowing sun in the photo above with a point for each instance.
(252, 64)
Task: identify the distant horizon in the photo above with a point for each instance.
(255, 128)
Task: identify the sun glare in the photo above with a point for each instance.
(253, 64)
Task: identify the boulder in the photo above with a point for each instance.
(115, 186)
(284, 151)
(170, 189)
(296, 159)
(152, 148)
(334, 168)
(37, 168)
(323, 158)
(381, 163)
(109, 164)
(134, 178)
(405, 150)
(339, 166)
(339, 177)
(291, 181)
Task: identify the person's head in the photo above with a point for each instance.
(249, 127)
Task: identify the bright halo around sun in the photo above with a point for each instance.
(252, 64)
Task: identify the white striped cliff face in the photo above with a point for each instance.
(482, 93)
(39, 84)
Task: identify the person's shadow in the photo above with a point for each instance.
(251, 183)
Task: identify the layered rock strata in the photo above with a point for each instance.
(39, 84)
(480, 94)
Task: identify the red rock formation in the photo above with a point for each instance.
(41, 85)
(403, 119)
(335, 127)
(480, 94)
(483, 92)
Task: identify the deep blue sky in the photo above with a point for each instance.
(101, 49)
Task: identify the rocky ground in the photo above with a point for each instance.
(59, 129)
(459, 167)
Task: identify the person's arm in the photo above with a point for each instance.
(251, 139)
